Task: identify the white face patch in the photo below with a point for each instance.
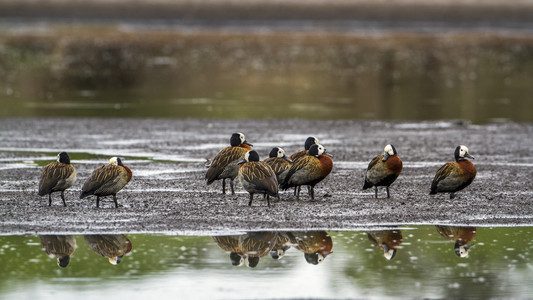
(246, 156)
(316, 141)
(242, 137)
(463, 252)
(320, 258)
(321, 149)
(389, 254)
(388, 149)
(462, 151)
(113, 161)
(57, 159)
(281, 152)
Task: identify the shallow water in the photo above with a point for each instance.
(113, 71)
(425, 265)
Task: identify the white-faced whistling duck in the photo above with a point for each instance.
(387, 240)
(279, 162)
(59, 246)
(308, 143)
(107, 180)
(282, 244)
(460, 235)
(111, 246)
(309, 170)
(257, 177)
(224, 165)
(383, 170)
(57, 177)
(456, 175)
(316, 245)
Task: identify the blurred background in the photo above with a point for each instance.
(373, 60)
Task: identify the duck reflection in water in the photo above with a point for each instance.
(388, 240)
(112, 246)
(59, 246)
(283, 243)
(461, 236)
(316, 245)
(247, 248)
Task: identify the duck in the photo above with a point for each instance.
(111, 246)
(316, 245)
(107, 180)
(257, 177)
(460, 235)
(279, 162)
(232, 244)
(248, 248)
(59, 246)
(387, 240)
(224, 164)
(383, 170)
(455, 175)
(282, 244)
(57, 177)
(308, 143)
(309, 170)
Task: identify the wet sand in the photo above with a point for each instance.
(168, 194)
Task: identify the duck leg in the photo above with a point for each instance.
(297, 189)
(376, 187)
(312, 192)
(251, 199)
(452, 195)
(97, 201)
(268, 200)
(115, 199)
(50, 199)
(388, 195)
(224, 186)
(231, 185)
(63, 198)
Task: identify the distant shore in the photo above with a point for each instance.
(393, 15)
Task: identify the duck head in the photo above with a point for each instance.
(116, 161)
(63, 261)
(249, 156)
(310, 141)
(315, 258)
(388, 252)
(461, 152)
(238, 139)
(236, 259)
(462, 250)
(279, 152)
(63, 158)
(317, 150)
(388, 151)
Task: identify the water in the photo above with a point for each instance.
(425, 266)
(114, 71)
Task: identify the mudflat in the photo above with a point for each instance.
(168, 193)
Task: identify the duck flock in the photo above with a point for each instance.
(306, 167)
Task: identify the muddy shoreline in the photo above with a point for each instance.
(168, 194)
